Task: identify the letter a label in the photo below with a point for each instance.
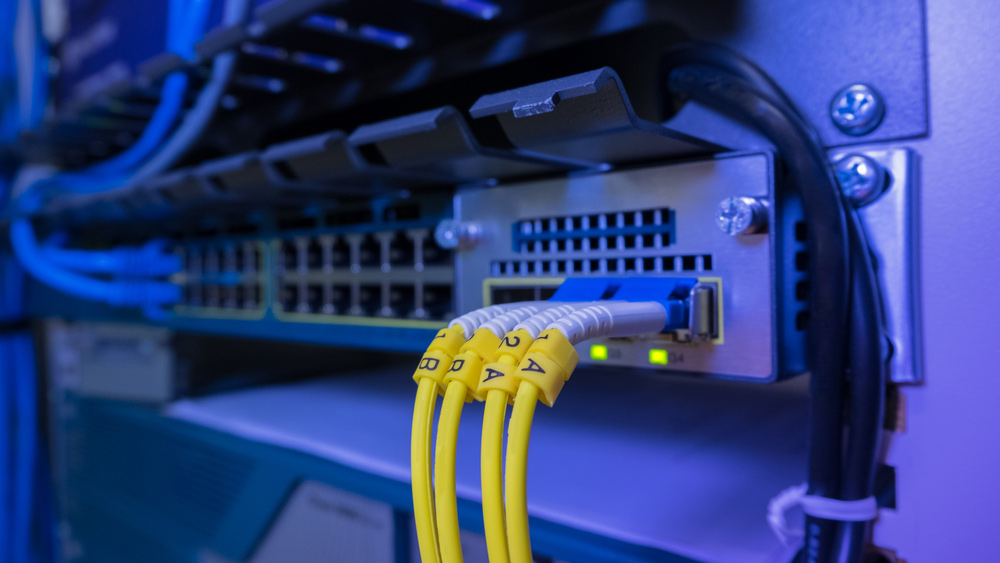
(533, 366)
(492, 374)
(429, 364)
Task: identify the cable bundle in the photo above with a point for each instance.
(523, 355)
(155, 150)
(844, 300)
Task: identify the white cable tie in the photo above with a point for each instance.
(816, 506)
(776, 509)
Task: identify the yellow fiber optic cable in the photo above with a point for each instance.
(539, 376)
(498, 383)
(420, 463)
(491, 468)
(430, 378)
(445, 497)
(516, 501)
(462, 381)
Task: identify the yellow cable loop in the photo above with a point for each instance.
(516, 497)
(420, 464)
(429, 376)
(462, 380)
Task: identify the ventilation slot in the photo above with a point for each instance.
(644, 229)
(600, 266)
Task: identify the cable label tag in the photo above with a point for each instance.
(429, 364)
(492, 374)
(511, 341)
(533, 366)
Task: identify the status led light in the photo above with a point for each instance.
(658, 356)
(598, 352)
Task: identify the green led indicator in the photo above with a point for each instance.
(598, 352)
(658, 357)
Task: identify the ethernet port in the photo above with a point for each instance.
(314, 255)
(192, 261)
(289, 298)
(212, 260)
(229, 259)
(340, 298)
(251, 296)
(402, 300)
(233, 294)
(369, 252)
(212, 295)
(401, 250)
(289, 256)
(437, 300)
(239, 260)
(341, 253)
(370, 299)
(251, 258)
(314, 298)
(192, 295)
(434, 254)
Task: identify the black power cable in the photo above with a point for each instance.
(828, 270)
(866, 403)
(843, 280)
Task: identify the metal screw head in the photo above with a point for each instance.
(451, 234)
(861, 178)
(741, 215)
(857, 110)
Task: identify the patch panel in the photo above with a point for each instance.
(223, 278)
(380, 273)
(369, 264)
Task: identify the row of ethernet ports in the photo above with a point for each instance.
(356, 251)
(232, 297)
(388, 300)
(242, 257)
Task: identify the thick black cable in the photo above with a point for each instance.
(829, 301)
(721, 58)
(866, 403)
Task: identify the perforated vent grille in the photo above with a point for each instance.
(602, 266)
(644, 229)
(801, 277)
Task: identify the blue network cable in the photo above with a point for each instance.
(20, 352)
(18, 405)
(186, 22)
(39, 69)
(60, 268)
(9, 127)
(120, 293)
(148, 261)
(6, 449)
(10, 110)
